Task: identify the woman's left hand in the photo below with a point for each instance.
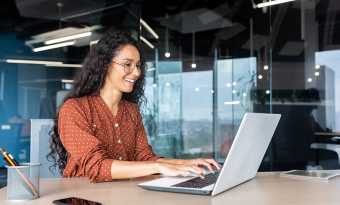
(201, 162)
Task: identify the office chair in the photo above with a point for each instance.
(12, 141)
(40, 146)
(326, 146)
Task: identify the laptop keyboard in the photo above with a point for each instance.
(199, 183)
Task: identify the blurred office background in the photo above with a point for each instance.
(209, 62)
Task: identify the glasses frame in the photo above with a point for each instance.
(131, 70)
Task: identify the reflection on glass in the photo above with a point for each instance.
(208, 64)
(304, 67)
(42, 46)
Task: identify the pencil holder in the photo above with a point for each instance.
(23, 182)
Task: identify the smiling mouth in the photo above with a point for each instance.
(129, 80)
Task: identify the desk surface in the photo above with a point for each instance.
(265, 188)
(328, 133)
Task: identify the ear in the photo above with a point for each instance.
(109, 68)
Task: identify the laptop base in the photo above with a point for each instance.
(178, 190)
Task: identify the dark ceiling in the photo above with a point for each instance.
(32, 17)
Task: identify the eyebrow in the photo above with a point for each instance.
(130, 59)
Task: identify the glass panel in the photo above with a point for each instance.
(32, 75)
(114, 15)
(209, 63)
(205, 56)
(237, 84)
(34, 88)
(305, 83)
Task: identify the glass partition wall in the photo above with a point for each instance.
(305, 83)
(43, 43)
(209, 62)
(204, 58)
(212, 61)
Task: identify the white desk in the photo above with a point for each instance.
(267, 188)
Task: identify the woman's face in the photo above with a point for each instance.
(121, 80)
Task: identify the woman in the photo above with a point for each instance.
(98, 132)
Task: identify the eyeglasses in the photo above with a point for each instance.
(129, 66)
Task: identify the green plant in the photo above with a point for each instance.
(292, 98)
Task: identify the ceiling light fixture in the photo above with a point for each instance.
(148, 28)
(147, 42)
(309, 79)
(265, 67)
(65, 65)
(260, 77)
(33, 62)
(193, 65)
(271, 3)
(267, 91)
(167, 54)
(67, 81)
(150, 69)
(317, 66)
(53, 46)
(231, 103)
(94, 42)
(317, 73)
(66, 38)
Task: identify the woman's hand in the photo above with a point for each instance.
(171, 169)
(199, 162)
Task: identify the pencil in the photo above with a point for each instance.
(7, 157)
(21, 174)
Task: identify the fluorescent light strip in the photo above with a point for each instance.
(64, 65)
(272, 3)
(66, 38)
(94, 42)
(53, 46)
(33, 62)
(149, 28)
(231, 103)
(147, 42)
(150, 69)
(67, 81)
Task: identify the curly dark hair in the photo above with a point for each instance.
(90, 79)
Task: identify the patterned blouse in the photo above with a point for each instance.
(93, 137)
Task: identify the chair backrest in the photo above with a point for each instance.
(12, 141)
(40, 146)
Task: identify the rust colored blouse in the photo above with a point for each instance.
(93, 137)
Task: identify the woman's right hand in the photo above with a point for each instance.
(170, 169)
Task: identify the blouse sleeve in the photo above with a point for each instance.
(81, 144)
(143, 149)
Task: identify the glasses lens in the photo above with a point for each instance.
(141, 70)
(129, 66)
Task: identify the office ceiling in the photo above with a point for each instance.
(216, 23)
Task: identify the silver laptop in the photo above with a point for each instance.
(243, 161)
